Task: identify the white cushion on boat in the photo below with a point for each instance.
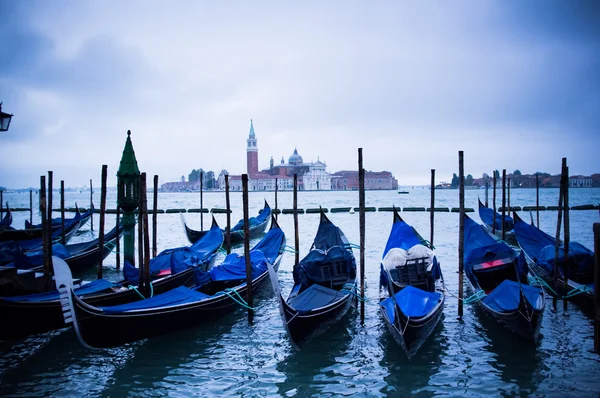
(398, 257)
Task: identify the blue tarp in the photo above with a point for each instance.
(481, 247)
(414, 302)
(314, 297)
(328, 235)
(179, 295)
(264, 214)
(181, 258)
(541, 248)
(89, 288)
(402, 236)
(487, 216)
(506, 296)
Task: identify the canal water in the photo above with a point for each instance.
(467, 357)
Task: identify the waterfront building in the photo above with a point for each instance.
(347, 180)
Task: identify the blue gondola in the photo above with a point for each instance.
(539, 248)
(413, 279)
(487, 216)
(497, 277)
(57, 222)
(7, 219)
(324, 285)
(215, 292)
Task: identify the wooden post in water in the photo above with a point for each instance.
(118, 242)
(487, 187)
(49, 218)
(361, 207)
(249, 299)
(102, 219)
(144, 214)
(91, 205)
(140, 240)
(558, 225)
(432, 207)
(537, 198)
(597, 287)
(1, 203)
(503, 204)
(566, 232)
(494, 204)
(296, 233)
(227, 231)
(276, 182)
(508, 196)
(155, 215)
(62, 211)
(30, 206)
(201, 214)
(44, 229)
(461, 230)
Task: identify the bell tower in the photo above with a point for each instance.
(251, 152)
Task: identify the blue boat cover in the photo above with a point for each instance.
(541, 248)
(403, 236)
(315, 296)
(481, 247)
(329, 235)
(412, 301)
(264, 215)
(309, 269)
(234, 265)
(487, 216)
(34, 259)
(506, 297)
(8, 251)
(96, 286)
(177, 296)
(181, 258)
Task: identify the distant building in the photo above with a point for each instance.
(347, 180)
(580, 182)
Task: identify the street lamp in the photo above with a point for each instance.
(4, 119)
(128, 193)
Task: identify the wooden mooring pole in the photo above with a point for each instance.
(558, 225)
(296, 233)
(568, 269)
(144, 214)
(494, 203)
(44, 230)
(597, 287)
(140, 239)
(1, 204)
(461, 229)
(118, 242)
(201, 191)
(62, 211)
(91, 205)
(487, 188)
(276, 186)
(49, 219)
(361, 207)
(102, 219)
(249, 298)
(503, 204)
(508, 195)
(155, 216)
(537, 198)
(432, 207)
(30, 207)
(227, 233)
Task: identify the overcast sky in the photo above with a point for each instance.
(515, 84)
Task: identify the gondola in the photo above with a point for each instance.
(217, 291)
(57, 222)
(487, 216)
(539, 249)
(79, 256)
(411, 274)
(497, 278)
(324, 286)
(20, 235)
(6, 220)
(37, 313)
(258, 225)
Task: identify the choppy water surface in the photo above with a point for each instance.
(468, 357)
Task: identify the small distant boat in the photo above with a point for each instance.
(540, 250)
(258, 225)
(215, 292)
(497, 278)
(403, 192)
(487, 216)
(413, 279)
(324, 286)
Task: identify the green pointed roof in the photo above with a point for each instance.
(128, 164)
(252, 130)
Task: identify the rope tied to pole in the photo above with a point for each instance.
(237, 298)
(351, 289)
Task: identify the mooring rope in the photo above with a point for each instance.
(240, 300)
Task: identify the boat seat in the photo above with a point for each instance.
(334, 273)
(413, 273)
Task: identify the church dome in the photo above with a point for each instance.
(295, 158)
